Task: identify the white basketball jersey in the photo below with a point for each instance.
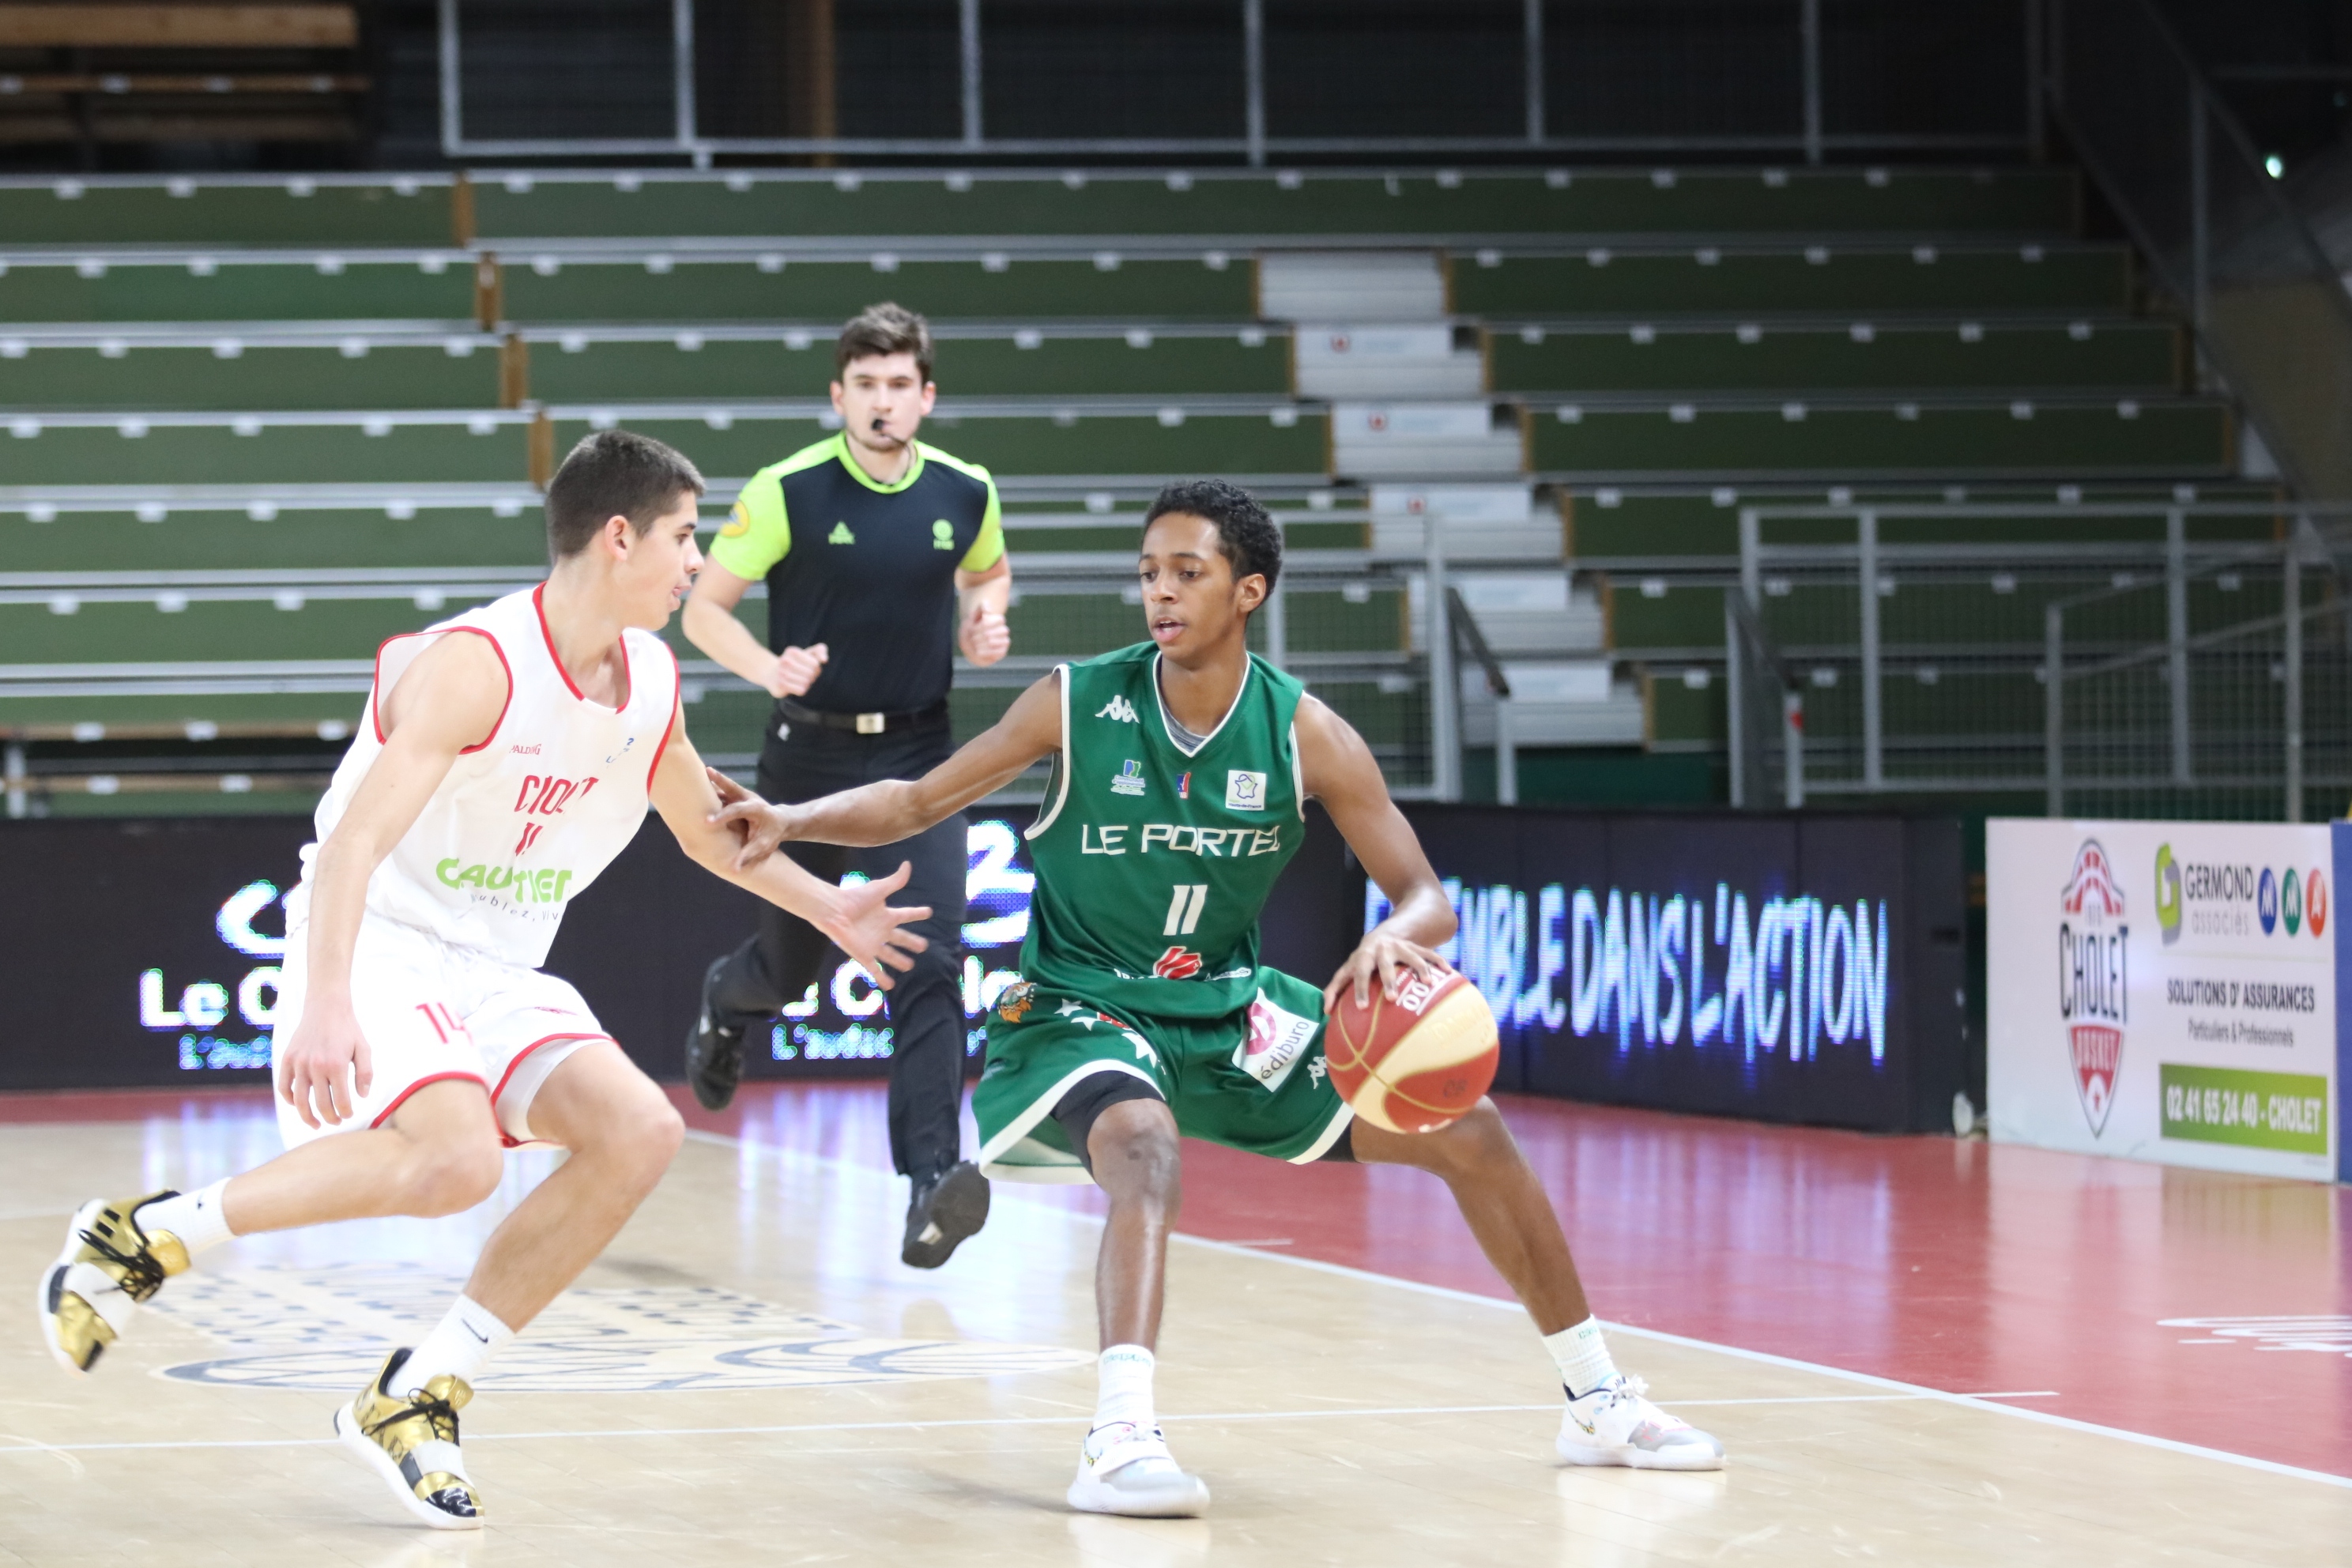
(528, 819)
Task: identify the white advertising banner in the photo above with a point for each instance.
(2164, 991)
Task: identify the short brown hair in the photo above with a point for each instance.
(883, 329)
(614, 473)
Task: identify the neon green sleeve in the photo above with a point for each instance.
(759, 534)
(989, 548)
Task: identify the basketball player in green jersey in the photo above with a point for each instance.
(1182, 769)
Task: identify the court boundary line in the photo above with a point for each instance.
(33, 1446)
(1766, 1358)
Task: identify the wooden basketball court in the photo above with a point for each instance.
(1901, 1367)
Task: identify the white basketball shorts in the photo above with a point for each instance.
(431, 1011)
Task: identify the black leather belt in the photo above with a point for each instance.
(864, 723)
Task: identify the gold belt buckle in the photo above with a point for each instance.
(869, 723)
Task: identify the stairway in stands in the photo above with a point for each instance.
(254, 426)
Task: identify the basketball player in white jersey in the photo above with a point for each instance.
(505, 758)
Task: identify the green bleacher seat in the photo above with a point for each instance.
(320, 209)
(2147, 357)
(351, 451)
(291, 540)
(689, 287)
(322, 286)
(1616, 524)
(462, 371)
(698, 365)
(2184, 436)
(1035, 445)
(240, 373)
(1615, 201)
(1843, 280)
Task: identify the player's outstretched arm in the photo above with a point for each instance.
(1337, 768)
(451, 697)
(858, 920)
(894, 809)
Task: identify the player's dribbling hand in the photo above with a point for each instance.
(758, 827)
(986, 638)
(796, 670)
(325, 1067)
(874, 933)
(1388, 959)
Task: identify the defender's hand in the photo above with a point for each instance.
(872, 932)
(326, 1063)
(1389, 959)
(758, 827)
(796, 670)
(984, 638)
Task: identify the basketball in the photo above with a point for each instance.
(1416, 1062)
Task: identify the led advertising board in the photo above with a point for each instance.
(146, 952)
(1800, 969)
(1792, 969)
(2167, 991)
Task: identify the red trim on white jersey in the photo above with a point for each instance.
(376, 691)
(677, 699)
(539, 604)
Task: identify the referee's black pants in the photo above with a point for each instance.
(926, 1003)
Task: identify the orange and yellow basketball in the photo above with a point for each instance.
(1416, 1062)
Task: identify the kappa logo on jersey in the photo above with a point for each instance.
(1129, 780)
(1120, 710)
(841, 535)
(1277, 1043)
(943, 535)
(1245, 791)
(1176, 964)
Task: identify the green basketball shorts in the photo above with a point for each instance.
(1251, 1079)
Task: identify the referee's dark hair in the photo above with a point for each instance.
(883, 329)
(1245, 531)
(614, 473)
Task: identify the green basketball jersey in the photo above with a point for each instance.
(1151, 864)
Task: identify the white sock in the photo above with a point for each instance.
(195, 1218)
(1125, 1390)
(1583, 1356)
(461, 1344)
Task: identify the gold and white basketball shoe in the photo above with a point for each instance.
(1616, 1424)
(1126, 1468)
(409, 1438)
(109, 1266)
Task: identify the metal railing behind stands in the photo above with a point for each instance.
(2195, 678)
(1831, 115)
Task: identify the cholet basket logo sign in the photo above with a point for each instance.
(2093, 990)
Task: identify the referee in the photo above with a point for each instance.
(881, 556)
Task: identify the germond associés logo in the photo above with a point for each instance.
(1780, 974)
(2093, 976)
(2236, 898)
(198, 1009)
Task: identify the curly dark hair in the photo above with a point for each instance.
(1251, 541)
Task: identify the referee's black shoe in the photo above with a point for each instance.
(944, 1210)
(714, 1053)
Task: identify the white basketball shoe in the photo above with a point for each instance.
(1126, 1468)
(1615, 1424)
